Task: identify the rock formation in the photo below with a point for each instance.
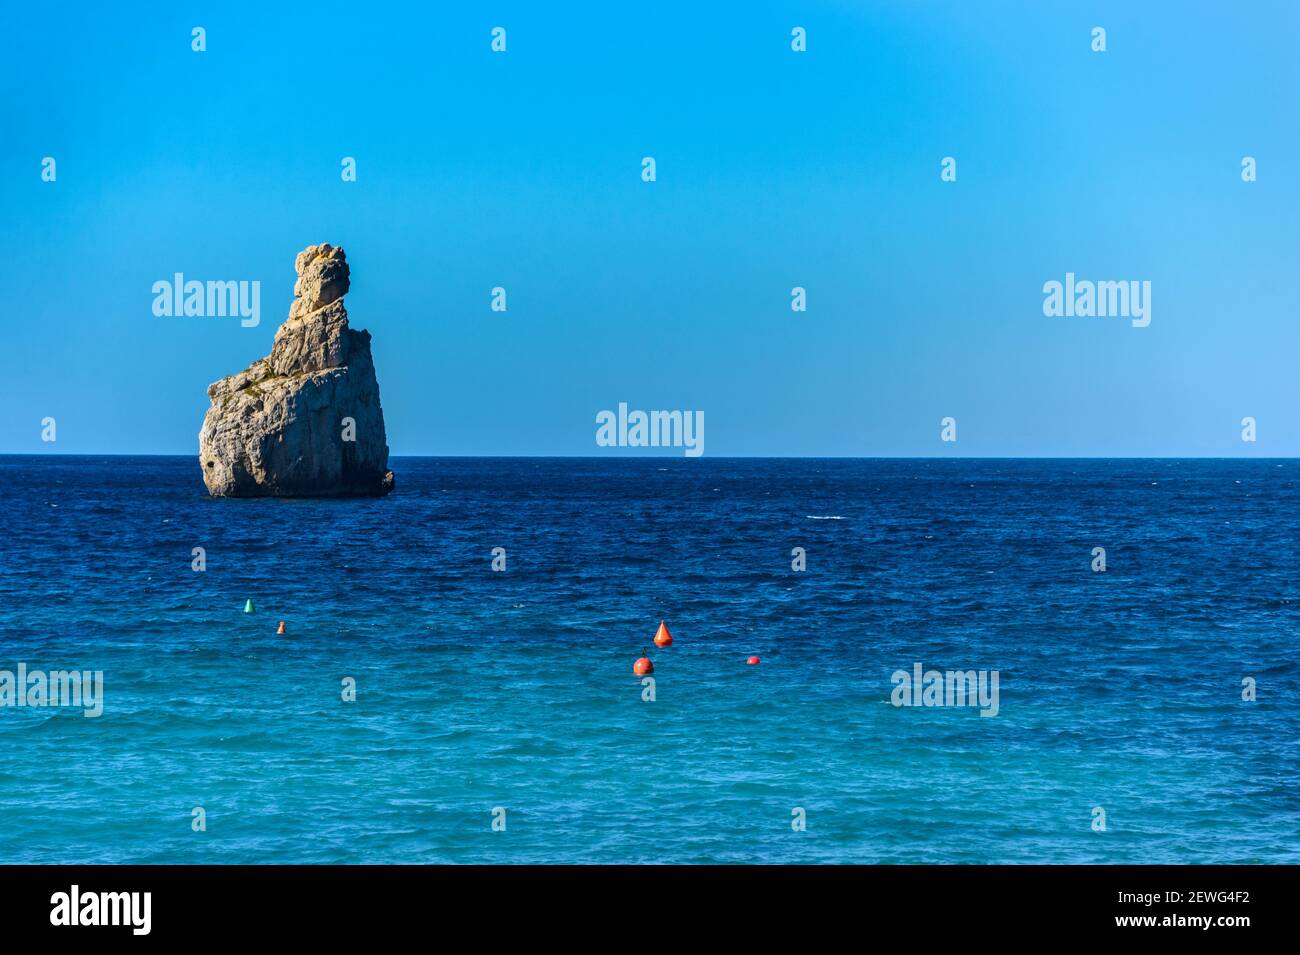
(304, 421)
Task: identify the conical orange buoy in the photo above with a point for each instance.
(643, 666)
(752, 660)
(662, 637)
(281, 630)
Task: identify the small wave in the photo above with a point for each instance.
(824, 517)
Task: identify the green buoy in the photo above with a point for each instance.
(248, 606)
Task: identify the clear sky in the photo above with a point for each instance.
(775, 169)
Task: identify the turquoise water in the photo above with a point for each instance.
(477, 689)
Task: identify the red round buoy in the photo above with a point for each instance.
(643, 666)
(752, 660)
(662, 637)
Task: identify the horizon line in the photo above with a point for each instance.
(722, 457)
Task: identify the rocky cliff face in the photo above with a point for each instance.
(304, 421)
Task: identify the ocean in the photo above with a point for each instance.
(497, 718)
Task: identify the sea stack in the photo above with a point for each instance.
(305, 421)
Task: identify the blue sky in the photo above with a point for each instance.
(775, 169)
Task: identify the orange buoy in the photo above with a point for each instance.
(281, 630)
(752, 660)
(643, 666)
(662, 637)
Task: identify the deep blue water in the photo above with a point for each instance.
(476, 689)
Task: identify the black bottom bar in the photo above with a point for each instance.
(331, 903)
